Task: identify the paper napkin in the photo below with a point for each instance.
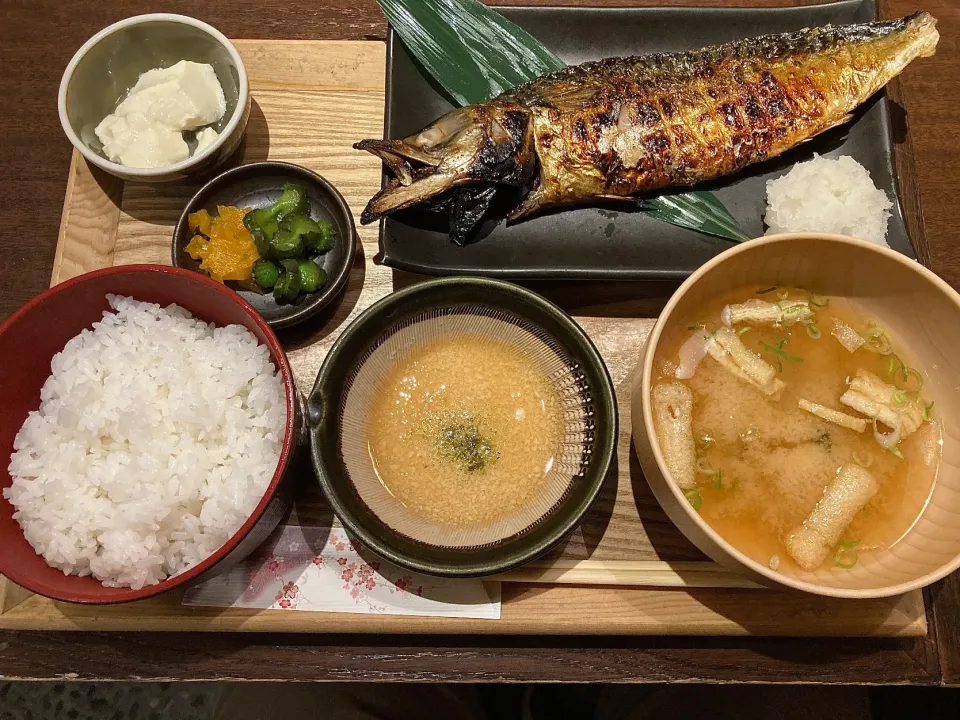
(320, 569)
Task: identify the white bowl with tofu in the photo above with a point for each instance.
(155, 98)
(795, 414)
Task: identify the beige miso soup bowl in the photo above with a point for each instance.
(921, 310)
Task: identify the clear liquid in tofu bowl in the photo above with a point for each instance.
(464, 430)
(804, 435)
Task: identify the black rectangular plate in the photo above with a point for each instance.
(596, 243)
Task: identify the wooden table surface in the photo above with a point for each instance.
(37, 38)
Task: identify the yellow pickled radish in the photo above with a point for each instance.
(223, 245)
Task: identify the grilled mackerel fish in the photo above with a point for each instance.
(618, 127)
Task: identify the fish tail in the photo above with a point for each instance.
(923, 26)
(898, 43)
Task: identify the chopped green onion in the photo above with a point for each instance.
(718, 480)
(704, 440)
(846, 555)
(783, 294)
(928, 412)
(877, 341)
(768, 290)
(894, 364)
(743, 331)
(907, 386)
(863, 461)
(779, 352)
(779, 366)
(693, 497)
(819, 301)
(813, 331)
(845, 558)
(703, 469)
(899, 398)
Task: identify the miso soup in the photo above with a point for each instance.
(812, 440)
(464, 430)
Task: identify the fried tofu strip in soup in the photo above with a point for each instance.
(847, 336)
(835, 416)
(735, 357)
(673, 417)
(810, 543)
(756, 312)
(871, 396)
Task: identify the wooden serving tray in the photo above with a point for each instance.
(625, 570)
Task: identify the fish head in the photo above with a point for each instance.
(488, 144)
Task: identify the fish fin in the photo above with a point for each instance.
(396, 196)
(398, 148)
(835, 124)
(468, 206)
(532, 203)
(398, 166)
(842, 121)
(619, 198)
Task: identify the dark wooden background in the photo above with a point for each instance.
(38, 37)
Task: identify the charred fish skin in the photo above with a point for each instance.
(615, 128)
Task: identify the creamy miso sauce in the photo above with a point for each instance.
(463, 431)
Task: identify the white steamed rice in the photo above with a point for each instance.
(828, 196)
(156, 437)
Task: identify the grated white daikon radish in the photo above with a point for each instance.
(829, 196)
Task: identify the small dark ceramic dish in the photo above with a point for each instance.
(368, 348)
(109, 64)
(40, 329)
(259, 185)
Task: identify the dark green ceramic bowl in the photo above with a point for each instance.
(327, 399)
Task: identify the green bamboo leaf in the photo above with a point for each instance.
(696, 210)
(474, 54)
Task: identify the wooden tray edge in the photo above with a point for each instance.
(89, 222)
(707, 612)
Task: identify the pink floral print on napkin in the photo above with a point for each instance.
(303, 568)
